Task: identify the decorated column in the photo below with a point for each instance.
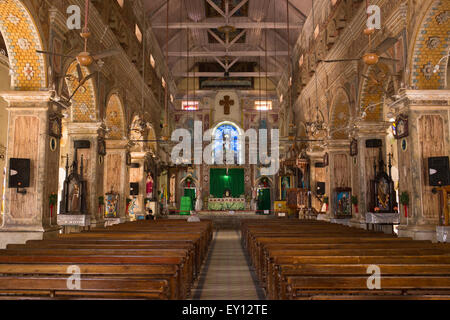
(117, 187)
(317, 175)
(33, 135)
(364, 152)
(139, 177)
(339, 177)
(423, 132)
(88, 141)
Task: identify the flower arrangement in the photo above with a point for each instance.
(376, 209)
(101, 202)
(404, 200)
(326, 201)
(52, 200)
(354, 200)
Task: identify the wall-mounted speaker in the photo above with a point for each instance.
(19, 173)
(374, 143)
(82, 144)
(438, 171)
(320, 188)
(134, 189)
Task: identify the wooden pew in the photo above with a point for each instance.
(100, 288)
(151, 253)
(317, 260)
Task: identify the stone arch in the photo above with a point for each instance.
(430, 44)
(115, 118)
(136, 132)
(373, 87)
(84, 102)
(340, 114)
(22, 39)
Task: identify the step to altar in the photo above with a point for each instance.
(225, 219)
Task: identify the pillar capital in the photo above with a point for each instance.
(85, 128)
(421, 100)
(117, 144)
(371, 129)
(26, 98)
(338, 145)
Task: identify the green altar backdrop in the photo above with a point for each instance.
(219, 182)
(264, 199)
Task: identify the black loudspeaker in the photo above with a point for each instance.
(438, 171)
(134, 189)
(320, 188)
(374, 143)
(19, 173)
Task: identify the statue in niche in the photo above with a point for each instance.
(172, 188)
(74, 191)
(75, 198)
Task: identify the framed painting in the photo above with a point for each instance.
(401, 127)
(342, 203)
(285, 183)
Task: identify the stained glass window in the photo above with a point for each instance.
(226, 138)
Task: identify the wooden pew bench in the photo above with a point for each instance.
(50, 287)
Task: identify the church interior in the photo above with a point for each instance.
(225, 149)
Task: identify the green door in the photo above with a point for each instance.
(185, 206)
(191, 194)
(264, 199)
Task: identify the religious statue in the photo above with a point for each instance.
(172, 189)
(198, 200)
(227, 194)
(75, 199)
(254, 197)
(285, 184)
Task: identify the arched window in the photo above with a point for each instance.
(226, 138)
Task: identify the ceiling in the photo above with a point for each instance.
(194, 24)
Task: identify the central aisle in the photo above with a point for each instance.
(226, 274)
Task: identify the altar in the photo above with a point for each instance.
(222, 204)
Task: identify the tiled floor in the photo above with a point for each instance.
(226, 274)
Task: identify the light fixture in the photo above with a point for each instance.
(226, 29)
(437, 67)
(314, 127)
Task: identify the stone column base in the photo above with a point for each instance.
(345, 222)
(21, 237)
(443, 234)
(360, 224)
(424, 232)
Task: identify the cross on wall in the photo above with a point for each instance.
(226, 103)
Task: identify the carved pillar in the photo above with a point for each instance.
(428, 122)
(362, 168)
(93, 163)
(117, 174)
(317, 174)
(27, 216)
(138, 175)
(338, 171)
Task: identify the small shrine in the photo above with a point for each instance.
(74, 190)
